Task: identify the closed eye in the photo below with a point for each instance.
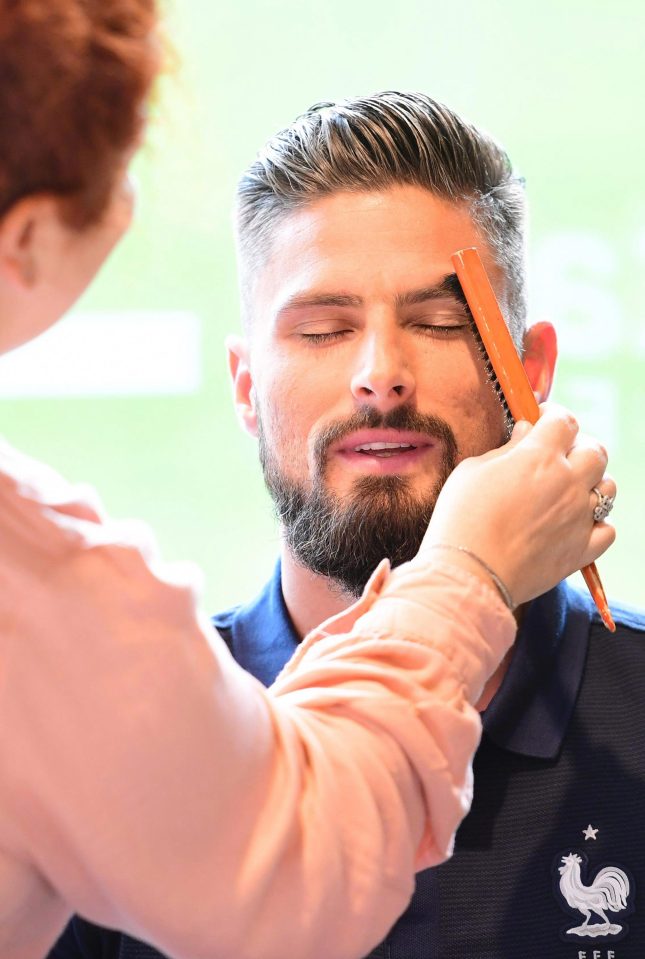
(442, 330)
(327, 337)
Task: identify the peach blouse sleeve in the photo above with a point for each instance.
(150, 784)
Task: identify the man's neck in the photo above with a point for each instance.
(311, 599)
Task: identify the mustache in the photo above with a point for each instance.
(401, 418)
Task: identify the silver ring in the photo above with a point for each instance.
(604, 506)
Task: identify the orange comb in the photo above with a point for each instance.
(508, 374)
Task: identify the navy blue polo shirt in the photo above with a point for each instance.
(550, 861)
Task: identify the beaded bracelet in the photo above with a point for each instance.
(501, 586)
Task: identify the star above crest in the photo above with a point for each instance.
(589, 832)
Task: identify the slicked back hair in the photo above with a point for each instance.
(374, 143)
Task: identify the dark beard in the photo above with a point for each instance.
(346, 538)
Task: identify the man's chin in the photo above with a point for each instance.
(345, 538)
(385, 492)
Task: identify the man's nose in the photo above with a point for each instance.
(383, 376)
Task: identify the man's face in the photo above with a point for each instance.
(363, 380)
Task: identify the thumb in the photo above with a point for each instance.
(521, 430)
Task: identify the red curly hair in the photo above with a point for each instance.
(74, 78)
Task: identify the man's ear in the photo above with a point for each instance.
(26, 232)
(540, 354)
(239, 367)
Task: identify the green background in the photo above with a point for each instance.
(560, 84)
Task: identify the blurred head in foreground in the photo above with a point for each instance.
(74, 79)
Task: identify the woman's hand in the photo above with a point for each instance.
(526, 509)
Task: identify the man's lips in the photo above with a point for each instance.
(382, 440)
(389, 451)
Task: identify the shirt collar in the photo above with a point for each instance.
(530, 712)
(262, 635)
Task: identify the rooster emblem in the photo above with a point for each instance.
(609, 892)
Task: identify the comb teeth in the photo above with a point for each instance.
(491, 376)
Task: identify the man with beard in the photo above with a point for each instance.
(360, 377)
(361, 380)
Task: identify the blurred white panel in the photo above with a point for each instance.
(128, 353)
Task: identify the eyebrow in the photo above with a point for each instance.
(304, 301)
(448, 286)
